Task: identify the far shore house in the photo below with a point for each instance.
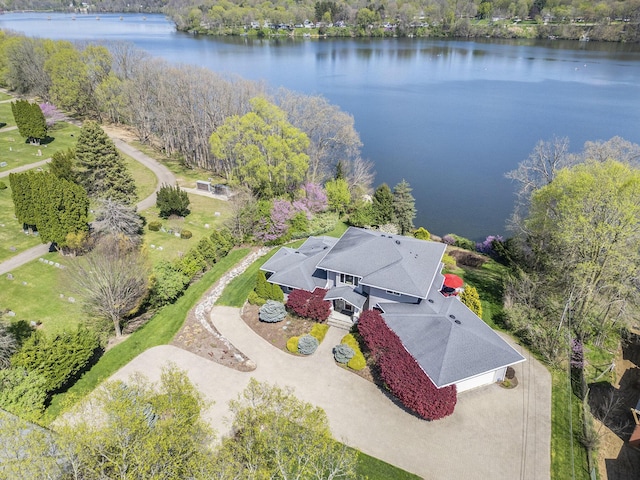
(401, 277)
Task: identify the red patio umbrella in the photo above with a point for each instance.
(452, 281)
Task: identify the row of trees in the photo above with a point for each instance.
(179, 107)
(443, 18)
(141, 430)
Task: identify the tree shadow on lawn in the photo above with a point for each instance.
(488, 282)
(2, 124)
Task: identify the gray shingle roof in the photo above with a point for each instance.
(346, 293)
(296, 268)
(448, 351)
(390, 262)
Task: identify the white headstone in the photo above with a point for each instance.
(71, 300)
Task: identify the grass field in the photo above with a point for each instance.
(17, 152)
(6, 117)
(12, 238)
(40, 299)
(202, 213)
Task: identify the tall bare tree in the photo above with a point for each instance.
(111, 280)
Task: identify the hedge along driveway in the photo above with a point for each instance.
(158, 331)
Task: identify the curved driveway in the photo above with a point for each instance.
(493, 434)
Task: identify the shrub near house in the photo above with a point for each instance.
(310, 304)
(401, 373)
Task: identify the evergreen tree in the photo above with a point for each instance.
(339, 175)
(30, 120)
(404, 206)
(61, 164)
(101, 169)
(54, 206)
(263, 289)
(382, 205)
(172, 201)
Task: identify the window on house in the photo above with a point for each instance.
(391, 292)
(348, 279)
(348, 307)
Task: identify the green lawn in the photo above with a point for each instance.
(158, 331)
(12, 238)
(6, 116)
(202, 213)
(488, 280)
(375, 469)
(40, 299)
(567, 458)
(5, 96)
(17, 152)
(145, 179)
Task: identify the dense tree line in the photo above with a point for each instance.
(176, 107)
(608, 20)
(576, 225)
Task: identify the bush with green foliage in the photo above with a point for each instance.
(449, 261)
(172, 201)
(191, 263)
(307, 344)
(23, 393)
(471, 299)
(254, 299)
(167, 284)
(155, 226)
(343, 353)
(292, 344)
(272, 312)
(186, 234)
(263, 287)
(422, 234)
(60, 358)
(358, 362)
(458, 241)
(319, 331)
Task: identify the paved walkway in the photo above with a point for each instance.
(493, 434)
(24, 168)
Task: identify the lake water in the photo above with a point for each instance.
(449, 116)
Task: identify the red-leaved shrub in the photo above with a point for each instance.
(309, 304)
(401, 373)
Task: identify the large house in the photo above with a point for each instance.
(401, 277)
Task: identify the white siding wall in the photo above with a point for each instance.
(482, 380)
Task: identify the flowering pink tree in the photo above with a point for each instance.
(51, 114)
(269, 230)
(315, 198)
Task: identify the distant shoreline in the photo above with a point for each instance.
(506, 29)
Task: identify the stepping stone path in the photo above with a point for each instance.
(203, 309)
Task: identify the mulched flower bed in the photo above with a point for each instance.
(276, 334)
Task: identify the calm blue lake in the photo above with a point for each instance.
(451, 117)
